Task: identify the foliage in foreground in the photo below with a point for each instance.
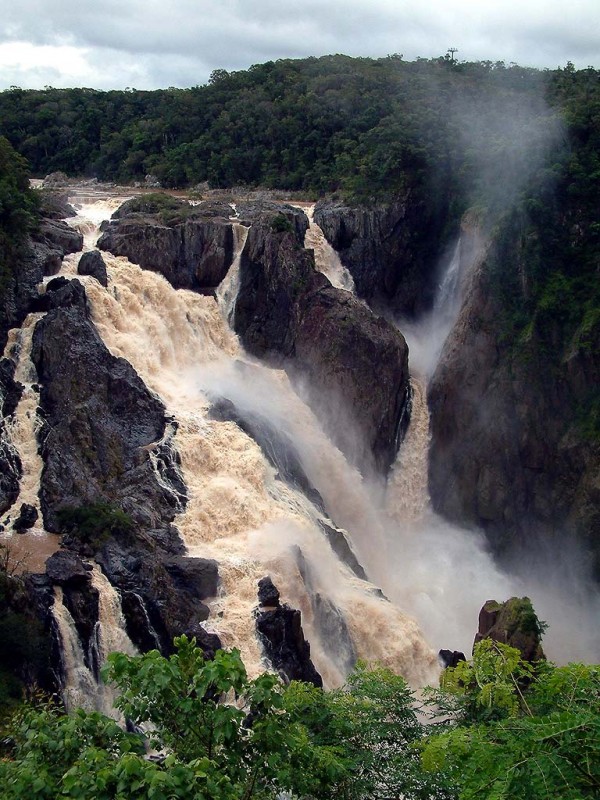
(507, 730)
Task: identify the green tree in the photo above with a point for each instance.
(518, 732)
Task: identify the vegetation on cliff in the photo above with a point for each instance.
(18, 206)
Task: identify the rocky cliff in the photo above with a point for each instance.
(513, 450)
(392, 250)
(191, 246)
(351, 363)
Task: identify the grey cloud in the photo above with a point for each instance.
(181, 42)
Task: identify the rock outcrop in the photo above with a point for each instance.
(351, 363)
(193, 247)
(282, 637)
(391, 250)
(93, 264)
(513, 623)
(103, 432)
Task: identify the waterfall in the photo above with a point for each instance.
(327, 260)
(229, 287)
(238, 511)
(82, 686)
(35, 545)
(79, 686)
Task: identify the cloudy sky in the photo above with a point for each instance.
(147, 44)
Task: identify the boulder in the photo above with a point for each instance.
(192, 246)
(60, 236)
(280, 632)
(27, 518)
(92, 263)
(67, 569)
(268, 594)
(513, 623)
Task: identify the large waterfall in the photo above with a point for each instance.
(426, 579)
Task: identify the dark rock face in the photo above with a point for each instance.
(106, 440)
(55, 205)
(40, 257)
(279, 217)
(93, 264)
(451, 658)
(193, 250)
(280, 631)
(506, 454)
(27, 518)
(353, 363)
(67, 569)
(162, 594)
(513, 623)
(391, 251)
(61, 293)
(10, 463)
(342, 548)
(268, 594)
(59, 235)
(101, 426)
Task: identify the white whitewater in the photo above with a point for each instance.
(327, 260)
(229, 287)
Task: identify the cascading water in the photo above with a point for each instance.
(242, 514)
(82, 685)
(327, 260)
(32, 547)
(433, 565)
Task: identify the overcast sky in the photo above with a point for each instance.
(146, 44)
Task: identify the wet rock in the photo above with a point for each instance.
(10, 389)
(59, 235)
(61, 293)
(275, 444)
(162, 594)
(268, 594)
(351, 364)
(10, 463)
(191, 249)
(513, 623)
(67, 569)
(92, 263)
(55, 205)
(282, 637)
(342, 548)
(27, 518)
(451, 658)
(101, 424)
(391, 250)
